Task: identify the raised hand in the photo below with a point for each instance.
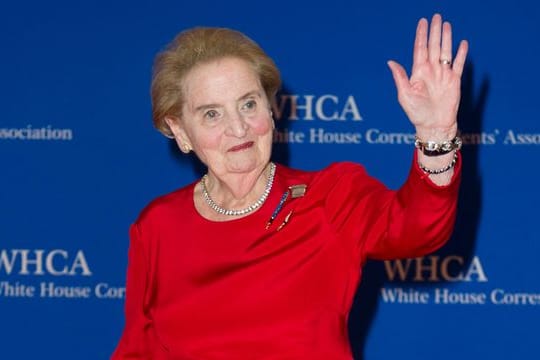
(430, 97)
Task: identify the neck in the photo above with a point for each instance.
(238, 190)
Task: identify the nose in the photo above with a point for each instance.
(237, 125)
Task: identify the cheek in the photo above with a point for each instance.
(207, 141)
(262, 126)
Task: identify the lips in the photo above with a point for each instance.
(241, 147)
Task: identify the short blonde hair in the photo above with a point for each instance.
(197, 46)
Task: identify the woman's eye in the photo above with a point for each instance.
(211, 114)
(250, 105)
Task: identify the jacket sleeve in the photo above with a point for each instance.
(138, 339)
(382, 224)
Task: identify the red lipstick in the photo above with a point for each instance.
(240, 147)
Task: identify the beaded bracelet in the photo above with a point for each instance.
(440, 171)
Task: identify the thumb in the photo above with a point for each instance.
(400, 76)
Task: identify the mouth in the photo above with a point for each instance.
(241, 147)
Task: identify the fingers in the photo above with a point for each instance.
(440, 46)
(446, 44)
(434, 42)
(435, 48)
(420, 42)
(459, 61)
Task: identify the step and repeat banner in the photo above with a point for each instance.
(79, 159)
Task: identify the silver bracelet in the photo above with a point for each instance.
(433, 148)
(439, 171)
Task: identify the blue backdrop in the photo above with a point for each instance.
(79, 159)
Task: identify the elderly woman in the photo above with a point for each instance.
(260, 261)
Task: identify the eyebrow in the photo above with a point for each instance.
(250, 94)
(245, 96)
(205, 106)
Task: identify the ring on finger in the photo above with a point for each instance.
(445, 61)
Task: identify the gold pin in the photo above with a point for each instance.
(297, 190)
(285, 221)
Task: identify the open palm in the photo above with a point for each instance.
(430, 97)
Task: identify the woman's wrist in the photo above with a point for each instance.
(437, 134)
(446, 161)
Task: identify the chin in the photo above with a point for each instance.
(244, 166)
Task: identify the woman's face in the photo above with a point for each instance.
(226, 117)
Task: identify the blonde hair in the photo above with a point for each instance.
(197, 46)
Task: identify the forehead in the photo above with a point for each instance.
(219, 81)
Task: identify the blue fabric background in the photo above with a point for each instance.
(81, 71)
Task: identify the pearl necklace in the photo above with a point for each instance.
(244, 211)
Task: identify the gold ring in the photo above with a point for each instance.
(445, 62)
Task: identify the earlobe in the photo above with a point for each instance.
(186, 148)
